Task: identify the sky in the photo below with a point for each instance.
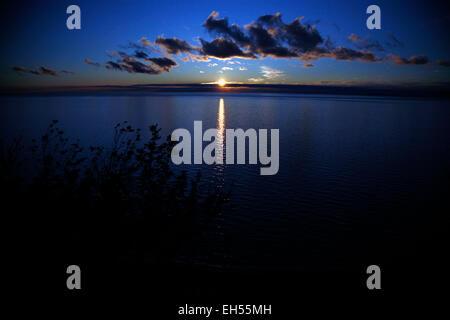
(171, 42)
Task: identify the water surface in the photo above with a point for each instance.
(352, 169)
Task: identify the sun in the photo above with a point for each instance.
(221, 82)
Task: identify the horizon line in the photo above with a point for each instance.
(438, 89)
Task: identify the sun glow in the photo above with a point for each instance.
(221, 82)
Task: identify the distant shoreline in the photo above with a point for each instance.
(432, 91)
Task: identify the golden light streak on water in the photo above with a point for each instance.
(220, 138)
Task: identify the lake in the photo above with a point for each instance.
(356, 179)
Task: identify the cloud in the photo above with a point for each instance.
(271, 19)
(195, 57)
(67, 72)
(132, 66)
(140, 54)
(345, 54)
(145, 42)
(299, 36)
(414, 60)
(443, 63)
(365, 44)
(393, 42)
(266, 44)
(354, 37)
(269, 35)
(47, 71)
(92, 63)
(201, 71)
(142, 45)
(127, 63)
(221, 27)
(340, 54)
(174, 45)
(41, 71)
(164, 63)
(222, 48)
(271, 73)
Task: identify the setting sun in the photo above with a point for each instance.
(221, 82)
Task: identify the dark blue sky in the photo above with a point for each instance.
(35, 35)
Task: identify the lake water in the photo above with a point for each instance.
(354, 172)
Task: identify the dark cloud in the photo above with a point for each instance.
(414, 60)
(346, 54)
(174, 45)
(111, 65)
(40, 71)
(261, 37)
(140, 54)
(315, 54)
(165, 63)
(133, 66)
(221, 27)
(223, 48)
(123, 55)
(279, 52)
(20, 69)
(264, 43)
(270, 19)
(92, 63)
(301, 37)
(365, 44)
(268, 36)
(340, 54)
(47, 71)
(130, 64)
(443, 63)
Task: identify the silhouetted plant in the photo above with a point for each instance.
(108, 202)
(11, 163)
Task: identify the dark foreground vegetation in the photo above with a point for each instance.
(101, 205)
